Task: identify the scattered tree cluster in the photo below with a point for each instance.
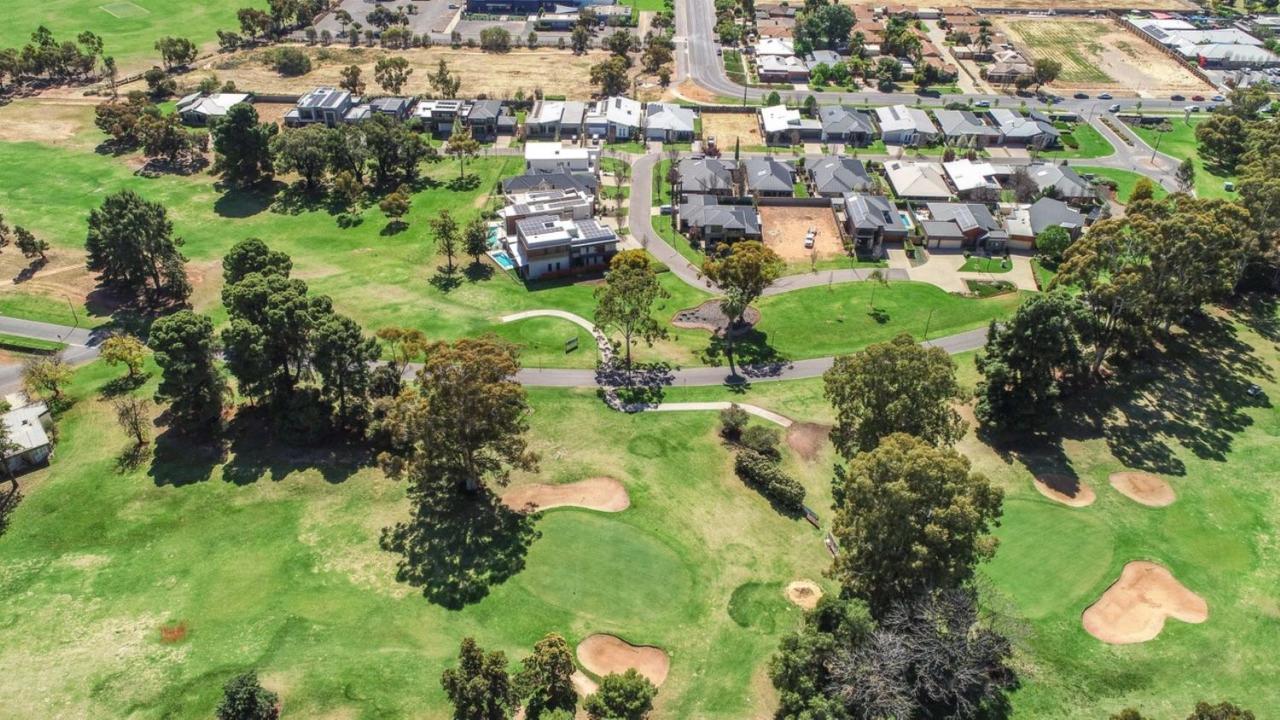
(47, 58)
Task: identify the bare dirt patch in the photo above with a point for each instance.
(728, 127)
(583, 684)
(708, 316)
(1099, 54)
(804, 594)
(1065, 489)
(1134, 608)
(604, 654)
(599, 493)
(807, 439)
(497, 75)
(785, 229)
(1150, 490)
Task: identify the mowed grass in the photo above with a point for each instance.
(1125, 181)
(1072, 43)
(273, 563)
(129, 28)
(1180, 142)
(1089, 143)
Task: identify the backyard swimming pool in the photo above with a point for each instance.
(502, 258)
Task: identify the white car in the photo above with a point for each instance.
(809, 238)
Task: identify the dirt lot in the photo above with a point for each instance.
(1099, 54)
(724, 127)
(785, 227)
(497, 75)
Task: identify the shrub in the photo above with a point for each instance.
(763, 474)
(290, 61)
(732, 421)
(762, 439)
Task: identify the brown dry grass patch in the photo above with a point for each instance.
(807, 439)
(804, 594)
(1134, 608)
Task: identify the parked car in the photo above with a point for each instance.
(1254, 391)
(809, 238)
(1197, 98)
(1218, 98)
(1115, 108)
(1104, 96)
(1081, 96)
(982, 103)
(1177, 98)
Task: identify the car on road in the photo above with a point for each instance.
(1115, 108)
(1104, 96)
(1177, 98)
(1217, 98)
(1081, 96)
(719, 51)
(982, 103)
(1193, 108)
(1197, 98)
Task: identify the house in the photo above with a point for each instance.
(668, 122)
(780, 28)
(707, 218)
(199, 108)
(1025, 222)
(835, 175)
(322, 105)
(438, 117)
(553, 157)
(568, 204)
(1061, 182)
(965, 129)
(706, 176)
(871, 220)
(901, 125)
(774, 46)
(517, 7)
(1020, 131)
(974, 178)
(485, 120)
(27, 428)
(781, 125)
(549, 246)
(822, 57)
(769, 178)
(917, 181)
(615, 119)
(781, 69)
(586, 182)
(845, 125)
(962, 225)
(396, 107)
(543, 121)
(1007, 66)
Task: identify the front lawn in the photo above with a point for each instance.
(1089, 143)
(1124, 180)
(986, 265)
(1180, 142)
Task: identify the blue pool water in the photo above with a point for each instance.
(502, 258)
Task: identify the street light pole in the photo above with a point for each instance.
(927, 323)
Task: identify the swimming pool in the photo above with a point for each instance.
(503, 259)
(495, 235)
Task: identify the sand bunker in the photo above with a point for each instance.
(1133, 609)
(1065, 489)
(604, 654)
(1150, 490)
(804, 593)
(583, 684)
(599, 493)
(807, 439)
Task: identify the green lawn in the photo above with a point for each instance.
(273, 563)
(1180, 142)
(661, 188)
(1044, 275)
(30, 345)
(1125, 180)
(1089, 144)
(986, 265)
(129, 28)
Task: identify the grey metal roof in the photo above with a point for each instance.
(325, 98)
(706, 210)
(869, 212)
(966, 215)
(1047, 212)
(1065, 180)
(839, 120)
(706, 174)
(963, 123)
(839, 175)
(585, 182)
(485, 110)
(766, 174)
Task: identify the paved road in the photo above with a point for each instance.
(82, 345)
(696, 60)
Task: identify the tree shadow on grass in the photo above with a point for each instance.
(459, 546)
(260, 449)
(296, 198)
(478, 272)
(752, 354)
(10, 496)
(247, 202)
(644, 384)
(1257, 311)
(179, 460)
(446, 280)
(393, 227)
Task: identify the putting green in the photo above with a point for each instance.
(607, 570)
(1050, 556)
